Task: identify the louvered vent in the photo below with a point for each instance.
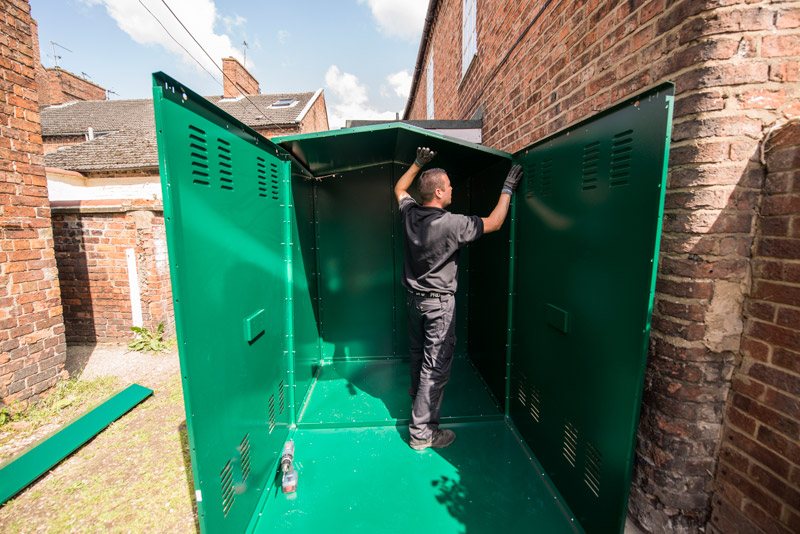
(226, 481)
(274, 180)
(621, 151)
(522, 396)
(271, 413)
(570, 448)
(535, 400)
(594, 464)
(261, 173)
(591, 162)
(225, 164)
(244, 454)
(529, 169)
(547, 178)
(281, 402)
(198, 155)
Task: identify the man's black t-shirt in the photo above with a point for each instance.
(432, 239)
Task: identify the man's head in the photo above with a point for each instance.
(434, 188)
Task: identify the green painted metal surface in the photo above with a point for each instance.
(226, 206)
(289, 310)
(373, 393)
(369, 480)
(589, 213)
(17, 473)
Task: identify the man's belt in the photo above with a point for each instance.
(428, 294)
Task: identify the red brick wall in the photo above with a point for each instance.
(32, 344)
(758, 484)
(316, 120)
(63, 86)
(736, 65)
(91, 244)
(236, 79)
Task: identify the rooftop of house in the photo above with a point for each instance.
(124, 130)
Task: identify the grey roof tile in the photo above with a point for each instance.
(129, 128)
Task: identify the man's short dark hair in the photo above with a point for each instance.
(429, 182)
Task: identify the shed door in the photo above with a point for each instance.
(226, 194)
(587, 234)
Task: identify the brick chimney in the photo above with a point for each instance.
(57, 86)
(237, 80)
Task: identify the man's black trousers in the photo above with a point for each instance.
(431, 329)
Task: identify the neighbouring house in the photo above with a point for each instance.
(719, 434)
(105, 191)
(32, 340)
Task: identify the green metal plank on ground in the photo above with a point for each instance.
(22, 470)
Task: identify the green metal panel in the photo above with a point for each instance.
(588, 226)
(227, 207)
(356, 262)
(17, 473)
(488, 288)
(305, 281)
(370, 480)
(373, 393)
(362, 302)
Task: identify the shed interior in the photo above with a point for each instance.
(286, 258)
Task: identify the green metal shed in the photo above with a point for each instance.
(285, 259)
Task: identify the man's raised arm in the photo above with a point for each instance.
(424, 156)
(494, 221)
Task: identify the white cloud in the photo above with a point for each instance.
(399, 18)
(232, 22)
(283, 36)
(351, 101)
(400, 82)
(199, 16)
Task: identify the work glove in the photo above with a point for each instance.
(424, 156)
(512, 180)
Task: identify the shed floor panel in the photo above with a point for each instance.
(370, 480)
(366, 393)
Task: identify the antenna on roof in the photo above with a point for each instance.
(85, 76)
(55, 56)
(110, 92)
(244, 53)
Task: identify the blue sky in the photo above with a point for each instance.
(361, 52)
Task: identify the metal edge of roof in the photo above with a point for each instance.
(24, 468)
(628, 100)
(310, 103)
(163, 80)
(380, 127)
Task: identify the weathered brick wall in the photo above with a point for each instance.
(63, 86)
(316, 120)
(32, 344)
(54, 142)
(736, 65)
(91, 241)
(758, 483)
(236, 79)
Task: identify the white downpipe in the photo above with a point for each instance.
(133, 282)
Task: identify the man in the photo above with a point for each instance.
(432, 239)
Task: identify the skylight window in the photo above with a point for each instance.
(283, 103)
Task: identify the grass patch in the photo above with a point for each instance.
(68, 399)
(131, 478)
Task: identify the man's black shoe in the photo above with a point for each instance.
(440, 439)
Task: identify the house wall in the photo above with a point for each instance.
(32, 343)
(54, 142)
(57, 86)
(316, 119)
(758, 482)
(91, 243)
(736, 65)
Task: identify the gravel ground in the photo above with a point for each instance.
(109, 359)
